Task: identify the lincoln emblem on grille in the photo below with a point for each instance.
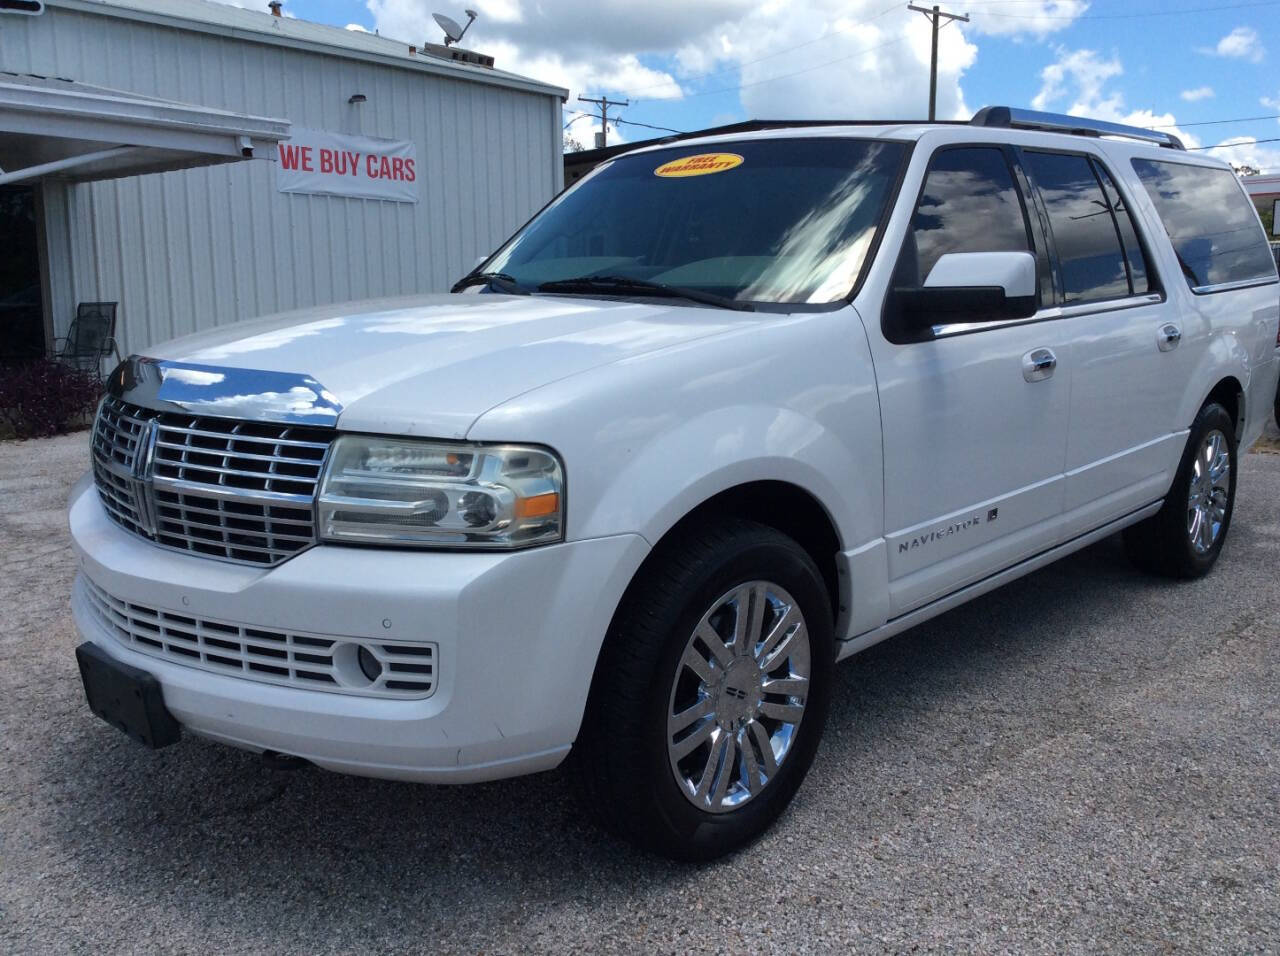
(140, 477)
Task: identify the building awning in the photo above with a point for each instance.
(58, 128)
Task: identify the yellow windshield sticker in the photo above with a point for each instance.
(700, 165)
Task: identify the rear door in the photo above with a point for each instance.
(1131, 354)
(974, 441)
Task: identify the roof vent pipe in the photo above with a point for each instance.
(276, 6)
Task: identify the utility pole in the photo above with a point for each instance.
(604, 103)
(935, 16)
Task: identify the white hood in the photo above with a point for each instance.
(432, 365)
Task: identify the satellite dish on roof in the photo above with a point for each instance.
(453, 31)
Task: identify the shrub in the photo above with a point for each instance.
(43, 397)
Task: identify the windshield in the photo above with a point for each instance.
(782, 220)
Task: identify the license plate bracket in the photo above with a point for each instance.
(128, 698)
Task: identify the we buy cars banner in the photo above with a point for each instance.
(316, 161)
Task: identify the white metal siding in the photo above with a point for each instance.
(185, 250)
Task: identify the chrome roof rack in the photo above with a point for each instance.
(1007, 117)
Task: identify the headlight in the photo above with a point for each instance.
(406, 492)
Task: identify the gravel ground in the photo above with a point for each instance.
(1086, 759)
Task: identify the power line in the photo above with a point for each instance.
(785, 76)
(1242, 119)
(664, 129)
(901, 39)
(1247, 142)
(888, 10)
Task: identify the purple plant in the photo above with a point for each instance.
(44, 397)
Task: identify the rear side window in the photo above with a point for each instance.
(1090, 256)
(969, 204)
(1213, 228)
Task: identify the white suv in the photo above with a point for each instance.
(723, 413)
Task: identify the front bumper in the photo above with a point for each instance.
(518, 636)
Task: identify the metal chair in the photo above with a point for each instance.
(91, 337)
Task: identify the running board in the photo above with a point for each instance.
(909, 620)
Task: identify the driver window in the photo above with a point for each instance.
(969, 204)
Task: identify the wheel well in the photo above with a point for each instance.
(1230, 396)
(787, 508)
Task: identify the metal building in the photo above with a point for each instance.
(186, 249)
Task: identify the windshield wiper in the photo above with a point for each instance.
(620, 285)
(498, 281)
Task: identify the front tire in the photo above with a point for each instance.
(711, 692)
(1184, 538)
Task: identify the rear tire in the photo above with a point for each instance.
(1184, 538)
(693, 750)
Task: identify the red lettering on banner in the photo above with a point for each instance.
(317, 161)
(289, 156)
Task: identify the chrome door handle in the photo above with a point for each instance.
(1038, 364)
(1169, 337)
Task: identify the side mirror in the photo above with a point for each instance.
(969, 287)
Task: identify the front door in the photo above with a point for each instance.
(975, 418)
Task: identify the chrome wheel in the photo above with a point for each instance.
(738, 696)
(1210, 491)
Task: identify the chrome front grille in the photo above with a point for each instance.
(344, 665)
(237, 490)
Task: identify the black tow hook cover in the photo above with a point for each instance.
(126, 697)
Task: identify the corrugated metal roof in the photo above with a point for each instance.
(263, 27)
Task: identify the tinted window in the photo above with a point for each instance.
(783, 220)
(969, 204)
(1128, 234)
(1213, 227)
(1084, 233)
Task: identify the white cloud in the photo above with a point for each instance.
(1084, 78)
(1242, 43)
(1084, 71)
(1035, 18)
(1198, 94)
(1245, 151)
(791, 58)
(356, 28)
(866, 66)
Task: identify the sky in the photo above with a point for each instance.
(690, 65)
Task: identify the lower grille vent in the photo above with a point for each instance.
(311, 661)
